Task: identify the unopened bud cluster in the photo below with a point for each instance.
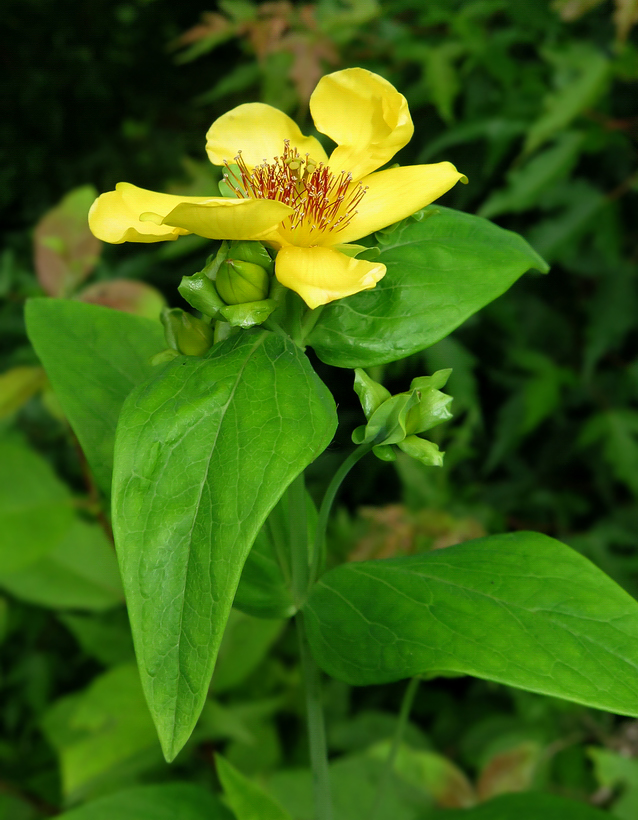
(399, 420)
(230, 292)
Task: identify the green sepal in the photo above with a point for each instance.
(200, 292)
(164, 356)
(387, 425)
(437, 380)
(433, 406)
(371, 394)
(213, 263)
(254, 252)
(359, 434)
(248, 314)
(351, 250)
(385, 452)
(422, 450)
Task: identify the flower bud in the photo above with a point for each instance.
(185, 333)
(238, 282)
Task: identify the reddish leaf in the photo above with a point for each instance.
(625, 17)
(65, 249)
(510, 771)
(431, 772)
(126, 295)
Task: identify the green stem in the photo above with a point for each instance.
(402, 722)
(298, 539)
(280, 543)
(316, 727)
(310, 320)
(271, 325)
(326, 507)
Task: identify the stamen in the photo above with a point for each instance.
(321, 200)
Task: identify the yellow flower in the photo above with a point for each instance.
(289, 193)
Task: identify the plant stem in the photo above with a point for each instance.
(298, 539)
(310, 320)
(402, 722)
(326, 507)
(316, 727)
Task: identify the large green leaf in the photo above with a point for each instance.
(521, 609)
(103, 735)
(80, 572)
(94, 357)
(528, 806)
(354, 783)
(36, 509)
(440, 271)
(168, 802)
(247, 800)
(203, 452)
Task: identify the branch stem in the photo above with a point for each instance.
(316, 727)
(402, 722)
(326, 507)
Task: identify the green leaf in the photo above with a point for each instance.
(35, 507)
(582, 78)
(576, 207)
(103, 734)
(105, 636)
(245, 644)
(167, 802)
(94, 357)
(246, 799)
(434, 773)
(527, 806)
(521, 609)
(80, 572)
(440, 272)
(617, 430)
(17, 386)
(442, 76)
(616, 772)
(15, 808)
(264, 589)
(525, 184)
(204, 451)
(354, 782)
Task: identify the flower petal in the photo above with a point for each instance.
(258, 131)
(115, 216)
(222, 218)
(321, 275)
(365, 115)
(397, 193)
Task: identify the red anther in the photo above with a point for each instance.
(322, 201)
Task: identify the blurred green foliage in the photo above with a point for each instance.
(536, 103)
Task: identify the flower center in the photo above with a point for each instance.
(323, 202)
